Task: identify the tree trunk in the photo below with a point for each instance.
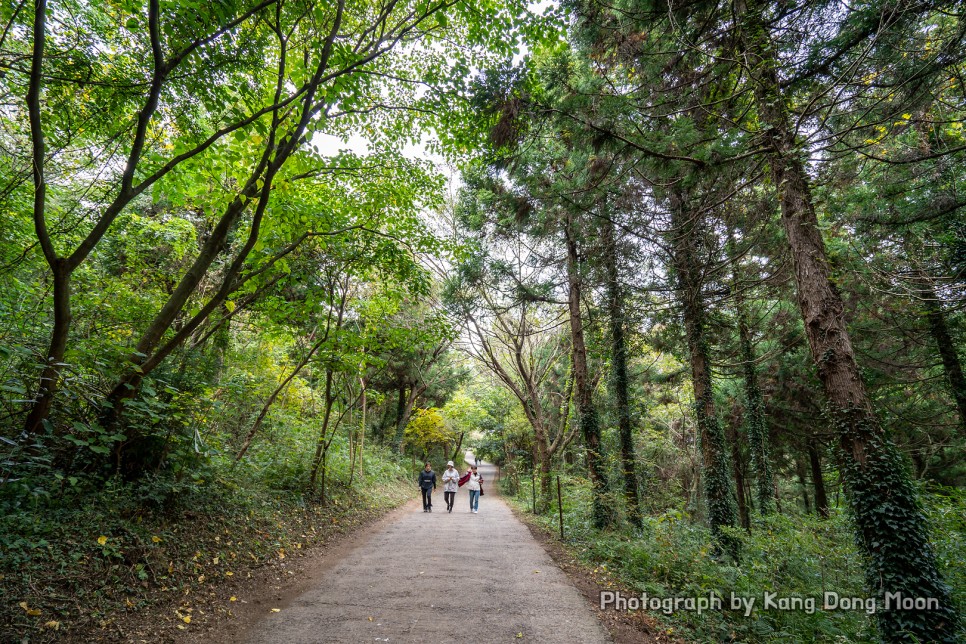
(755, 425)
(321, 446)
(803, 484)
(619, 375)
(738, 464)
(275, 394)
(818, 480)
(407, 409)
(50, 376)
(939, 330)
(889, 520)
(714, 455)
(586, 411)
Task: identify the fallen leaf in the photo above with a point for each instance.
(156, 539)
(233, 599)
(33, 612)
(276, 610)
(54, 624)
(102, 540)
(228, 573)
(186, 619)
(215, 561)
(370, 619)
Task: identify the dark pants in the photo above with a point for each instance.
(450, 498)
(427, 498)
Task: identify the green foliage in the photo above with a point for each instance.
(789, 555)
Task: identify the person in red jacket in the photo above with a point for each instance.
(475, 485)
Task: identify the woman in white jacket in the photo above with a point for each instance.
(450, 484)
(475, 486)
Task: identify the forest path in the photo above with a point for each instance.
(440, 577)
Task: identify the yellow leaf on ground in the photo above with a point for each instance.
(54, 624)
(102, 540)
(186, 619)
(233, 599)
(215, 561)
(276, 610)
(228, 573)
(156, 539)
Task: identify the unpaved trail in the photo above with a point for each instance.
(437, 577)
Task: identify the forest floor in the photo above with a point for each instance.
(231, 554)
(418, 577)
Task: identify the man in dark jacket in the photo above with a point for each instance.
(427, 483)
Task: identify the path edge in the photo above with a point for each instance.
(624, 627)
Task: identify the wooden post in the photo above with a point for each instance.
(560, 508)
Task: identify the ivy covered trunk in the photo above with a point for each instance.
(619, 376)
(716, 470)
(755, 416)
(583, 388)
(891, 528)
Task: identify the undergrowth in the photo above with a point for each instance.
(790, 555)
(76, 559)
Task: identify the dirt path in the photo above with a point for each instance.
(435, 577)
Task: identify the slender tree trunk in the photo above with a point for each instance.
(818, 480)
(754, 414)
(543, 463)
(619, 375)
(892, 529)
(275, 394)
(321, 445)
(50, 376)
(362, 432)
(803, 483)
(584, 398)
(716, 472)
(410, 401)
(737, 463)
(936, 318)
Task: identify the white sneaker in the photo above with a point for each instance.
(476, 511)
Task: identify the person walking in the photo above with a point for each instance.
(451, 478)
(475, 485)
(427, 483)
